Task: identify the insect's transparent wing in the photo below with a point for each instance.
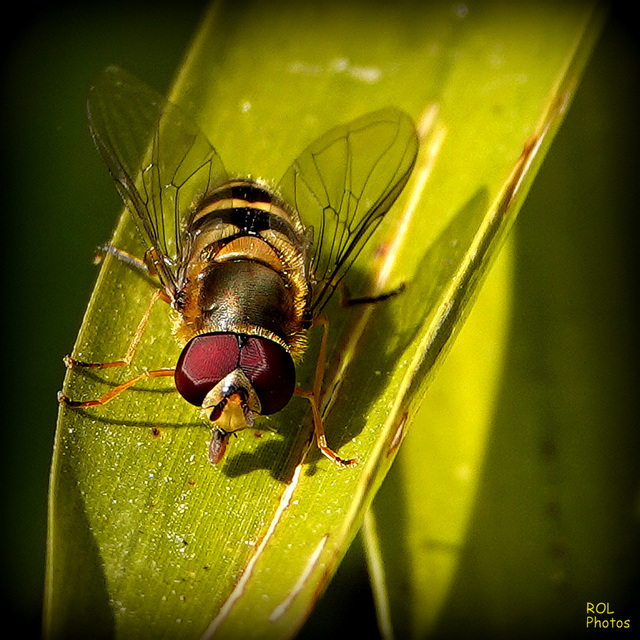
(159, 158)
(343, 184)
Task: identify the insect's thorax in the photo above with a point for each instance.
(245, 271)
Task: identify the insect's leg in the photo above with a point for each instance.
(116, 391)
(347, 301)
(318, 428)
(133, 345)
(121, 255)
(314, 395)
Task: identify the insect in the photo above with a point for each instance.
(235, 257)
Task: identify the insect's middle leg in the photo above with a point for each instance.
(347, 301)
(133, 345)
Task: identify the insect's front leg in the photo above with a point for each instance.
(116, 391)
(314, 395)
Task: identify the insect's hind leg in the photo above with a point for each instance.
(121, 255)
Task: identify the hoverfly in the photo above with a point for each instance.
(232, 255)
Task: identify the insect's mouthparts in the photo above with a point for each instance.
(232, 413)
(218, 445)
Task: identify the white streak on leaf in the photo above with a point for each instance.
(238, 590)
(301, 581)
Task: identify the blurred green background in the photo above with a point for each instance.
(581, 213)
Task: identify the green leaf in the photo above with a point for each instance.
(502, 513)
(419, 520)
(146, 538)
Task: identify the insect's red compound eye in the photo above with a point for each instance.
(205, 361)
(270, 369)
(209, 358)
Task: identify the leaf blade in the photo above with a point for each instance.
(440, 514)
(158, 514)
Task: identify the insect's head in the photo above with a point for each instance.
(234, 377)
